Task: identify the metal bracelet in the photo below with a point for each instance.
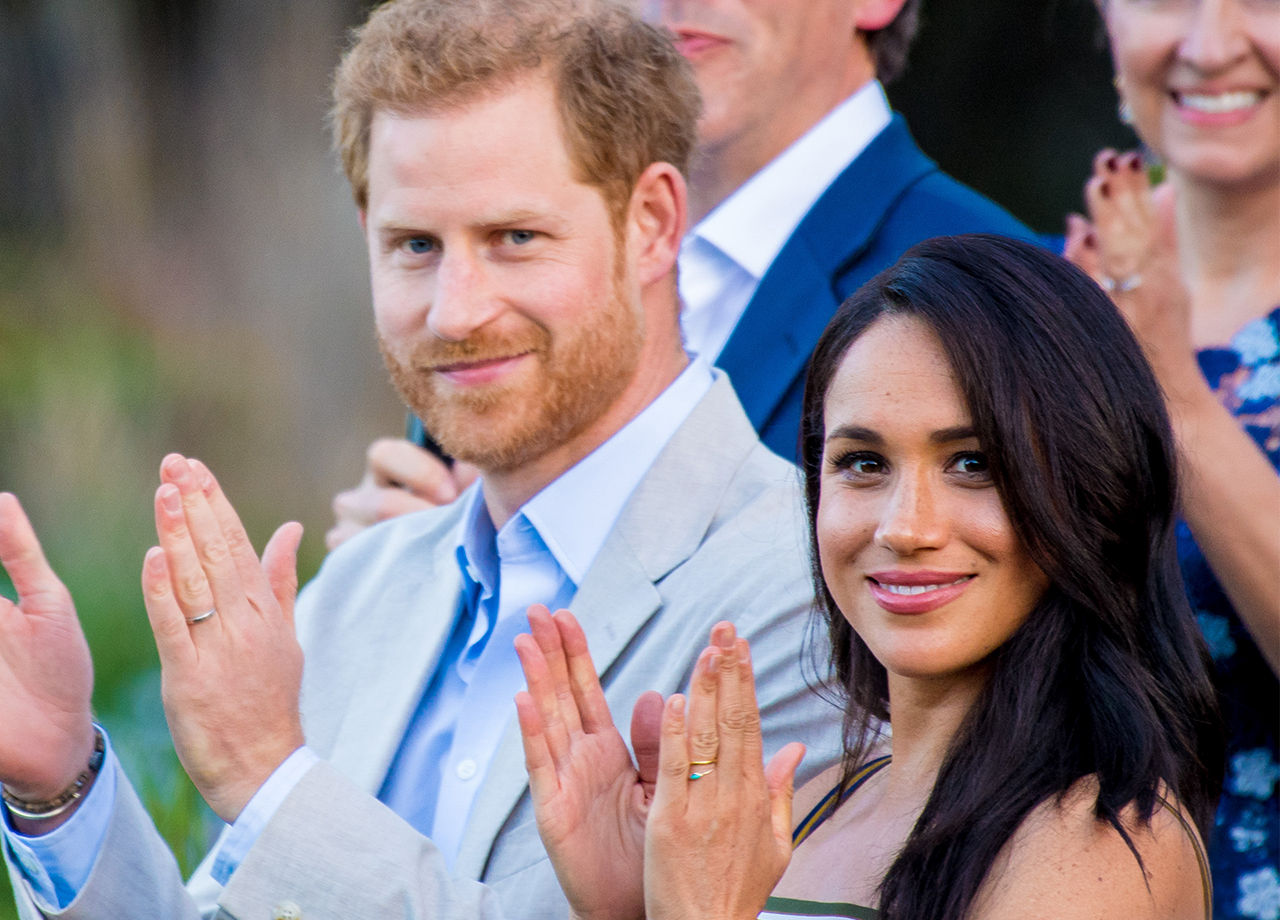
(64, 800)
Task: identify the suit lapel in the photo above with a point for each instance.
(664, 522)
(417, 615)
(771, 344)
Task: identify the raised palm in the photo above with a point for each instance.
(591, 800)
(46, 674)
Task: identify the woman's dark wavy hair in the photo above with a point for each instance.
(1108, 676)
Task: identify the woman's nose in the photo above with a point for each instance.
(912, 519)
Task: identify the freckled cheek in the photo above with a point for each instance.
(400, 302)
(846, 528)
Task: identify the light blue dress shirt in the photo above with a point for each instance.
(539, 556)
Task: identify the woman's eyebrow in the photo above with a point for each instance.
(855, 433)
(948, 435)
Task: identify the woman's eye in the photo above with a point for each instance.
(518, 237)
(420, 245)
(972, 464)
(860, 463)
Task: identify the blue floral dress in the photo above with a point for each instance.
(1244, 847)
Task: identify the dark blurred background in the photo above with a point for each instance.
(180, 269)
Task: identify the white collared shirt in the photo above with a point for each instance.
(724, 257)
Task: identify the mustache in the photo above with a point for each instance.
(483, 345)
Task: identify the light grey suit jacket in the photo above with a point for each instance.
(714, 531)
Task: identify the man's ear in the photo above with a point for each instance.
(873, 15)
(656, 218)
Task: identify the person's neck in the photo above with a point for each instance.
(722, 166)
(506, 491)
(1229, 251)
(925, 715)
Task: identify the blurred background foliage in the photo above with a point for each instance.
(180, 269)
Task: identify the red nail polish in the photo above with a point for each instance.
(1104, 190)
(1111, 162)
(1135, 162)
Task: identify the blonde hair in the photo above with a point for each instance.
(626, 97)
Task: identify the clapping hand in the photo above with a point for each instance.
(231, 666)
(591, 800)
(719, 832)
(46, 674)
(1129, 246)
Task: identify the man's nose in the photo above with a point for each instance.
(913, 518)
(1215, 36)
(464, 299)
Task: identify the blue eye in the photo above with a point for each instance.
(420, 245)
(519, 237)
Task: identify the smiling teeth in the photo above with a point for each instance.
(1223, 102)
(918, 589)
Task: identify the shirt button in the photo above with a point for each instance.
(466, 769)
(286, 910)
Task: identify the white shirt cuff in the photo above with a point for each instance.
(239, 838)
(57, 864)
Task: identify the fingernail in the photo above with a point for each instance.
(713, 663)
(1104, 190)
(1111, 162)
(203, 476)
(176, 467)
(1135, 162)
(170, 500)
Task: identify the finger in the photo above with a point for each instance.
(752, 740)
(780, 776)
(543, 692)
(22, 557)
(547, 635)
(703, 738)
(280, 563)
(1104, 161)
(230, 593)
(401, 463)
(671, 793)
(186, 575)
(646, 734)
(371, 503)
(543, 779)
(168, 625)
(338, 534)
(593, 708)
(733, 722)
(250, 570)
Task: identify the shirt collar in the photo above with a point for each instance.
(574, 514)
(752, 225)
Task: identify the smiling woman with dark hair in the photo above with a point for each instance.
(990, 477)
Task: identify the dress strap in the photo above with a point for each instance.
(835, 798)
(1206, 878)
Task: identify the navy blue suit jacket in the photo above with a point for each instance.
(888, 199)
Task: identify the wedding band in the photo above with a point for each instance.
(1121, 285)
(204, 616)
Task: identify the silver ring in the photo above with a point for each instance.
(204, 616)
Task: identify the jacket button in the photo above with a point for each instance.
(286, 910)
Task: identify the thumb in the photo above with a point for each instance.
(646, 730)
(280, 561)
(780, 775)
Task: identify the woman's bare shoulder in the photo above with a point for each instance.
(1063, 862)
